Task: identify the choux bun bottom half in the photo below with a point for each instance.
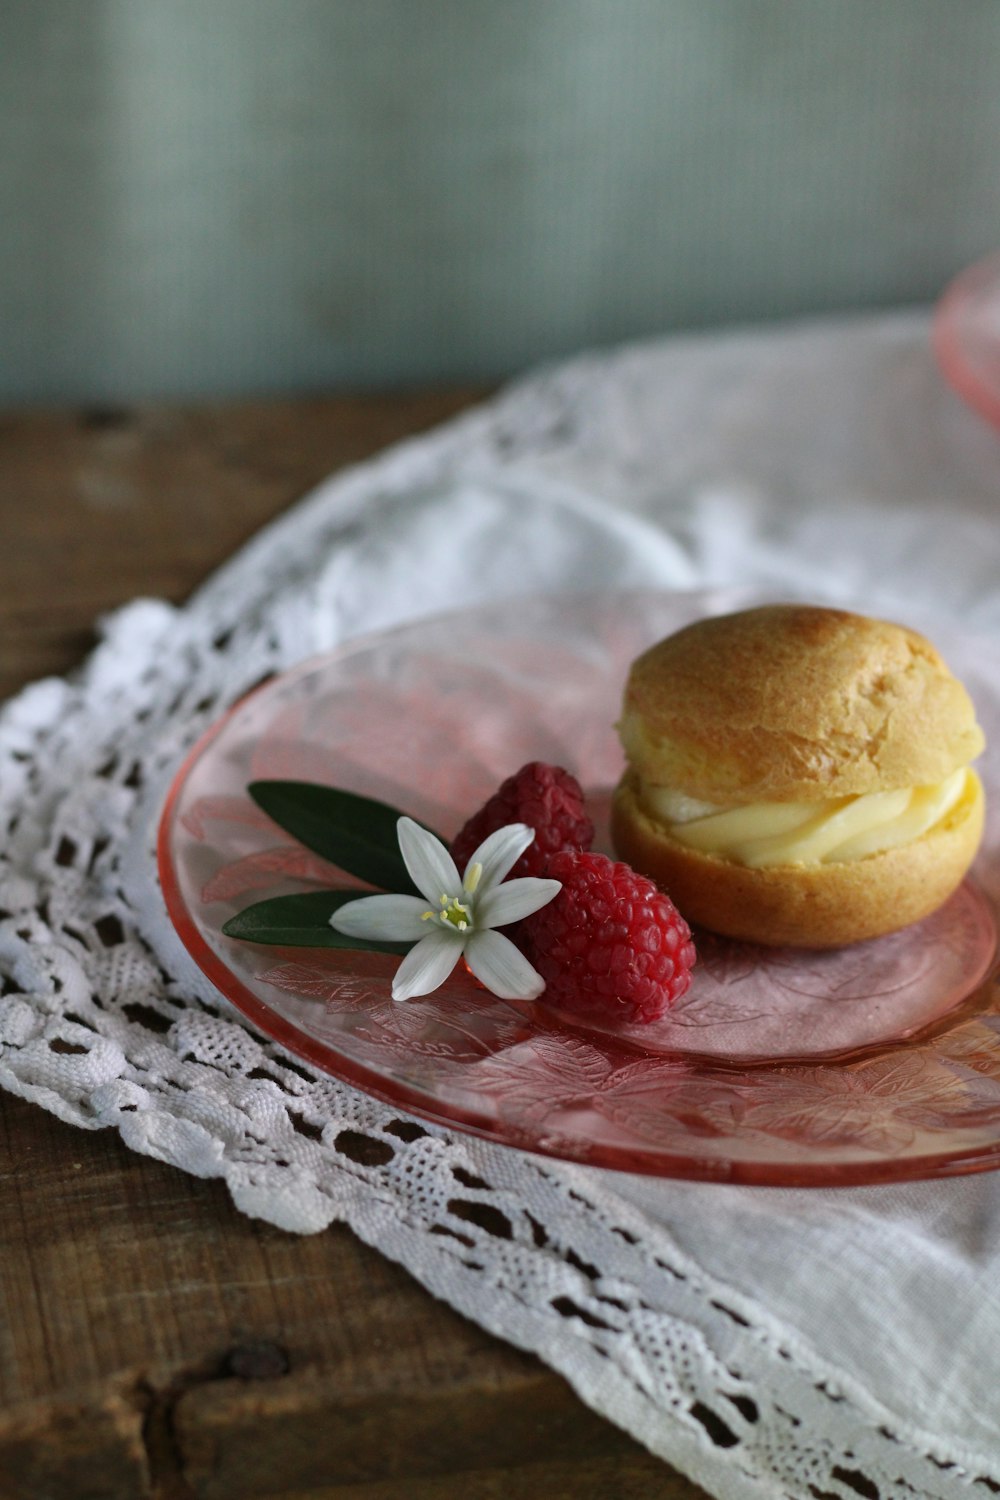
(809, 906)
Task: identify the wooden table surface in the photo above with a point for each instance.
(155, 1342)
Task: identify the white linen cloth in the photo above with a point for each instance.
(767, 1342)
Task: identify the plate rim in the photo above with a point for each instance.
(620, 1158)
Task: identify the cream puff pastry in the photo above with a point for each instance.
(798, 775)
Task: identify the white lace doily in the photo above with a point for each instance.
(104, 1021)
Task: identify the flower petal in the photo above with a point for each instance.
(428, 964)
(514, 899)
(498, 853)
(431, 867)
(501, 967)
(396, 919)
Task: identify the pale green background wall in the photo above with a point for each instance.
(226, 196)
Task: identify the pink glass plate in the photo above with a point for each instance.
(874, 1063)
(967, 336)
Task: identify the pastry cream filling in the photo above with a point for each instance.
(807, 833)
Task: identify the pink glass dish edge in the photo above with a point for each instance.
(956, 358)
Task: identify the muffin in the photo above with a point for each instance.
(798, 775)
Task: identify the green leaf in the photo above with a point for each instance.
(302, 921)
(357, 834)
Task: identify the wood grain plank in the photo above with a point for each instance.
(90, 1444)
(99, 508)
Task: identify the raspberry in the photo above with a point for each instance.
(545, 797)
(610, 945)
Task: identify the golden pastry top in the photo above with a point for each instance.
(795, 703)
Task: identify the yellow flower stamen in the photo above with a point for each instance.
(455, 913)
(473, 876)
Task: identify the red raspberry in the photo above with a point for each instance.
(610, 945)
(548, 799)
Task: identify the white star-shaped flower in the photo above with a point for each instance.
(464, 910)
